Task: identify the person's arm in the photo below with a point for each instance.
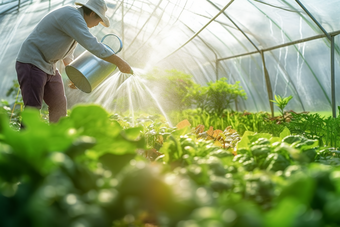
(122, 65)
(76, 27)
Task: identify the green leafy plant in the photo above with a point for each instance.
(221, 95)
(197, 96)
(86, 170)
(281, 103)
(314, 126)
(240, 121)
(14, 93)
(170, 87)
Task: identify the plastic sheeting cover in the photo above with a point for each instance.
(199, 38)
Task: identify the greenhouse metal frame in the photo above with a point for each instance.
(164, 32)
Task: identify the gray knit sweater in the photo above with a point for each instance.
(55, 38)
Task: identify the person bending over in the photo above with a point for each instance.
(53, 39)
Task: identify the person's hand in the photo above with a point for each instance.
(71, 85)
(122, 65)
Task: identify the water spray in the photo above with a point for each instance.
(117, 93)
(87, 71)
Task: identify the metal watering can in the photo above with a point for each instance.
(87, 71)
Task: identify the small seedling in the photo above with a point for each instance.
(281, 103)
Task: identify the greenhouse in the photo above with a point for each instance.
(169, 113)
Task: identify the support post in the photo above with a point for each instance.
(268, 84)
(123, 37)
(236, 104)
(333, 76)
(331, 39)
(217, 63)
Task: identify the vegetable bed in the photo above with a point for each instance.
(94, 169)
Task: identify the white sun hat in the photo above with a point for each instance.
(99, 7)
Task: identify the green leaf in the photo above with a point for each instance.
(172, 149)
(285, 213)
(93, 120)
(132, 133)
(115, 163)
(300, 187)
(256, 136)
(166, 150)
(32, 120)
(245, 142)
(38, 139)
(285, 132)
(181, 132)
(117, 146)
(79, 146)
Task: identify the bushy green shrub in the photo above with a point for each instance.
(179, 91)
(221, 94)
(198, 96)
(216, 96)
(170, 87)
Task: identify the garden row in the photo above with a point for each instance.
(94, 169)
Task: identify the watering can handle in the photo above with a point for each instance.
(118, 44)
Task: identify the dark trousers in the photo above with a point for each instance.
(36, 86)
